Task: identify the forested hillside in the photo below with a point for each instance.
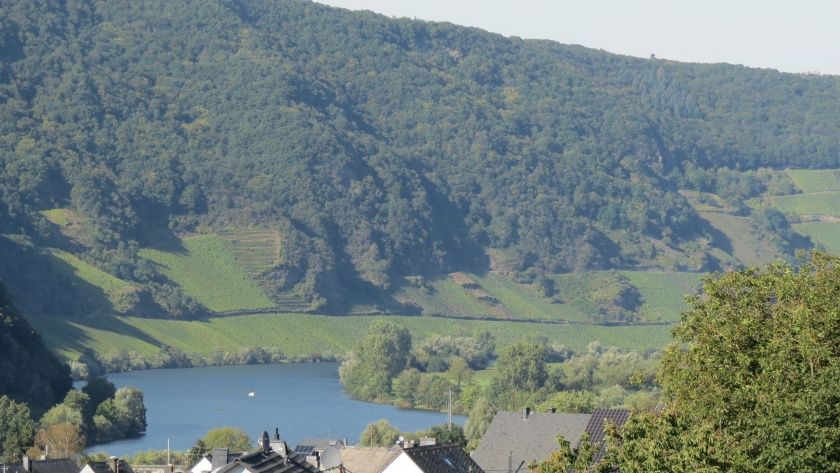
(28, 371)
(362, 150)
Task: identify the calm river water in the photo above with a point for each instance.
(302, 400)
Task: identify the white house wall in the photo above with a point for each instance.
(402, 464)
(203, 466)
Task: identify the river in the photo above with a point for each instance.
(302, 400)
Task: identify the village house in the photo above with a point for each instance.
(214, 460)
(514, 440)
(431, 458)
(272, 457)
(423, 456)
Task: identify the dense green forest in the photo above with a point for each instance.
(375, 148)
(29, 372)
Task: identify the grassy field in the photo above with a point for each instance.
(60, 217)
(663, 293)
(523, 301)
(461, 294)
(97, 280)
(743, 244)
(298, 334)
(826, 234)
(205, 268)
(445, 297)
(821, 203)
(89, 273)
(706, 202)
(815, 181)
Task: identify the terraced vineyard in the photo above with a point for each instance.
(206, 269)
(663, 293)
(815, 180)
(257, 251)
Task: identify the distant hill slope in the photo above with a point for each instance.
(376, 149)
(29, 372)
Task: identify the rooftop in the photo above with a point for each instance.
(515, 440)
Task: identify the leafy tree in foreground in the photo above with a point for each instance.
(754, 380)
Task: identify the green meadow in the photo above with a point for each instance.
(815, 180)
(826, 234)
(302, 334)
(663, 293)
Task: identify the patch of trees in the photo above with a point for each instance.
(232, 438)
(96, 414)
(532, 373)
(377, 147)
(92, 363)
(99, 412)
(382, 434)
(751, 383)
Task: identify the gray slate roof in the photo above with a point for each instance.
(12, 468)
(595, 428)
(271, 462)
(108, 467)
(532, 439)
(57, 465)
(366, 459)
(442, 459)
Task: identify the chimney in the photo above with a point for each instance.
(526, 411)
(27, 464)
(114, 463)
(277, 444)
(219, 458)
(427, 441)
(265, 443)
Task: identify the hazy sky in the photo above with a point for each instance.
(793, 36)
